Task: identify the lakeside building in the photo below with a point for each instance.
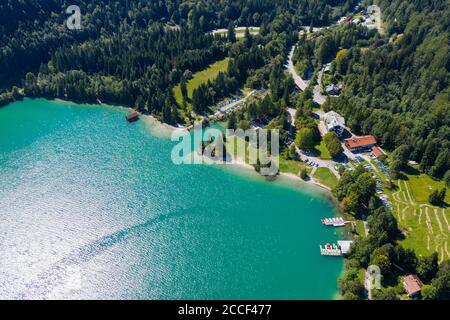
(412, 285)
(132, 117)
(360, 144)
(334, 122)
(345, 246)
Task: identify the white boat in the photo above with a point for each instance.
(336, 222)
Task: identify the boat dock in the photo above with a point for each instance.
(342, 248)
(335, 222)
(330, 250)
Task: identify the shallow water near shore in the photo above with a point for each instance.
(92, 207)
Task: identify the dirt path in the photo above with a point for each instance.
(445, 219)
(438, 221)
(428, 220)
(411, 201)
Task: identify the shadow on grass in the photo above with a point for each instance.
(411, 170)
(402, 176)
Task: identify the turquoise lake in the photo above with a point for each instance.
(92, 207)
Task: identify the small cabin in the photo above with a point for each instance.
(333, 90)
(132, 117)
(412, 285)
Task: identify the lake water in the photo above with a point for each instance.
(92, 207)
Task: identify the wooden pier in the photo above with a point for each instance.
(330, 250)
(335, 222)
(342, 248)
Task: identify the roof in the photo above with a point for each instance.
(327, 67)
(333, 119)
(133, 115)
(332, 88)
(345, 245)
(360, 142)
(377, 152)
(412, 284)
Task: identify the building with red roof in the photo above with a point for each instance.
(412, 285)
(377, 152)
(133, 116)
(358, 144)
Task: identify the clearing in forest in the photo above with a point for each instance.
(200, 77)
(425, 226)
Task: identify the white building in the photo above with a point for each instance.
(332, 90)
(334, 122)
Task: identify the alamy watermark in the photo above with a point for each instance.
(74, 20)
(260, 147)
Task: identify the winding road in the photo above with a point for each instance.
(303, 84)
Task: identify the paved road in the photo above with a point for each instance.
(376, 15)
(302, 84)
(368, 284)
(322, 163)
(230, 105)
(318, 96)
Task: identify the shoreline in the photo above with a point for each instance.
(310, 187)
(167, 130)
(238, 163)
(311, 183)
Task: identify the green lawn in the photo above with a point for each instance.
(326, 177)
(322, 151)
(203, 76)
(291, 166)
(422, 185)
(426, 227)
(360, 228)
(240, 31)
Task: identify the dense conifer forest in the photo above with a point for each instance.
(396, 85)
(133, 51)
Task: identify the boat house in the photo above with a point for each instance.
(377, 152)
(360, 144)
(133, 116)
(334, 122)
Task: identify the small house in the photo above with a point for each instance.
(133, 116)
(332, 89)
(412, 285)
(377, 152)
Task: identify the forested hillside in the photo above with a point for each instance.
(132, 52)
(398, 88)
